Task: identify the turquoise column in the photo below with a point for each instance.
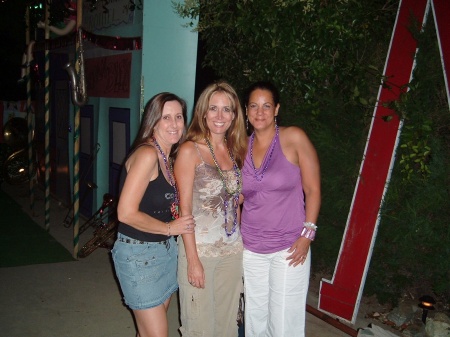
(169, 52)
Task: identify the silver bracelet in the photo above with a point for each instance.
(310, 225)
(309, 230)
(308, 233)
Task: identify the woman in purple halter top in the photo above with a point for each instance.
(281, 189)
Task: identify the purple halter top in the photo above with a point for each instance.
(274, 207)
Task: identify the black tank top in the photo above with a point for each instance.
(156, 202)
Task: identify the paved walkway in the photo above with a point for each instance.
(82, 298)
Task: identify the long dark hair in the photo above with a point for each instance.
(263, 85)
(152, 115)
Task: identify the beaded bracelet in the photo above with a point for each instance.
(168, 228)
(309, 230)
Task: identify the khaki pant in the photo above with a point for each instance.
(212, 311)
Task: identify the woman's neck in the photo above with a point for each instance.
(164, 147)
(216, 140)
(266, 134)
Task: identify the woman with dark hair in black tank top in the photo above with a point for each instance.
(145, 252)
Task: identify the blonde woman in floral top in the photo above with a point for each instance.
(208, 175)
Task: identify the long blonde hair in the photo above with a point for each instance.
(236, 134)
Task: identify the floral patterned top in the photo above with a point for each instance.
(208, 209)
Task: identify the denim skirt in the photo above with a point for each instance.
(147, 271)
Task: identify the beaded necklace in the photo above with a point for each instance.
(232, 192)
(170, 175)
(272, 145)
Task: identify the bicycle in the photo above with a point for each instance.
(14, 161)
(15, 169)
(104, 221)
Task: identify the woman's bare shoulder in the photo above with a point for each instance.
(143, 155)
(188, 154)
(187, 148)
(147, 150)
(293, 134)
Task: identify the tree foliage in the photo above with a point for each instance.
(309, 48)
(327, 57)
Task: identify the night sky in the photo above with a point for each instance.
(12, 39)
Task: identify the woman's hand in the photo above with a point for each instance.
(196, 274)
(299, 251)
(183, 225)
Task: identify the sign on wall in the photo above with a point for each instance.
(113, 13)
(109, 76)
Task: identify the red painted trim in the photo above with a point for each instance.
(441, 11)
(341, 296)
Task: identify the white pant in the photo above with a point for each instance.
(275, 295)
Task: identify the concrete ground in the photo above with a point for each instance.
(82, 298)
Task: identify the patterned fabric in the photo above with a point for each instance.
(209, 200)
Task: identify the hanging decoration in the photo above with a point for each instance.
(61, 11)
(114, 42)
(106, 42)
(94, 4)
